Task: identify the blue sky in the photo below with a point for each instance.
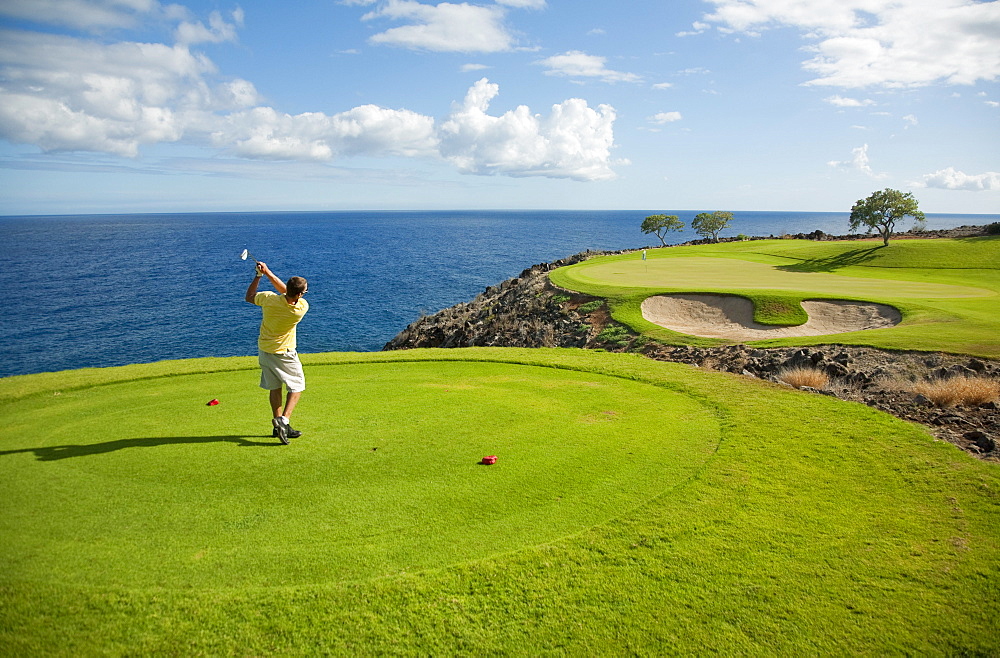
(145, 106)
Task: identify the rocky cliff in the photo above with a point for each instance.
(526, 311)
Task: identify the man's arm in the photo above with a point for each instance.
(263, 270)
(252, 288)
(278, 284)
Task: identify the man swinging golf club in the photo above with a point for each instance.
(279, 362)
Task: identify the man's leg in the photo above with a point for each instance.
(280, 425)
(290, 402)
(286, 369)
(275, 398)
(282, 429)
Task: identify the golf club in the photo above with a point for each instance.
(245, 254)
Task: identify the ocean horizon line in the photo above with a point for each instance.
(457, 211)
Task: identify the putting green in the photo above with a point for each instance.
(701, 273)
(140, 484)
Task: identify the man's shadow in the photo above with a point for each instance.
(54, 453)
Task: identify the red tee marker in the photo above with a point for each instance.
(212, 403)
(492, 459)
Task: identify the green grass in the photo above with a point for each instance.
(947, 290)
(637, 507)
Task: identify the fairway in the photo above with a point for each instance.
(636, 507)
(723, 273)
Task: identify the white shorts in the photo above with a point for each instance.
(285, 369)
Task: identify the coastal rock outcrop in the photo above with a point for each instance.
(526, 311)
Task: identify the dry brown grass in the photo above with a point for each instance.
(800, 377)
(961, 389)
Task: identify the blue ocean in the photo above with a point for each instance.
(107, 290)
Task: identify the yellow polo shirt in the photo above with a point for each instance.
(277, 326)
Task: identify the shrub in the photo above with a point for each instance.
(961, 389)
(977, 391)
(802, 377)
(614, 334)
(639, 343)
(993, 229)
(939, 391)
(560, 299)
(590, 307)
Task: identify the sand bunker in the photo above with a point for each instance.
(728, 316)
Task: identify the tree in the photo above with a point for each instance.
(710, 223)
(882, 210)
(660, 224)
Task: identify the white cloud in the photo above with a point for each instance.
(467, 68)
(663, 118)
(577, 64)
(750, 15)
(368, 129)
(699, 28)
(859, 43)
(992, 103)
(218, 29)
(663, 85)
(952, 179)
(65, 93)
(574, 141)
(445, 27)
(840, 101)
(911, 120)
(859, 162)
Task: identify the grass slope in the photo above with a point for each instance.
(747, 518)
(946, 289)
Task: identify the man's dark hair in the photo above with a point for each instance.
(296, 286)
